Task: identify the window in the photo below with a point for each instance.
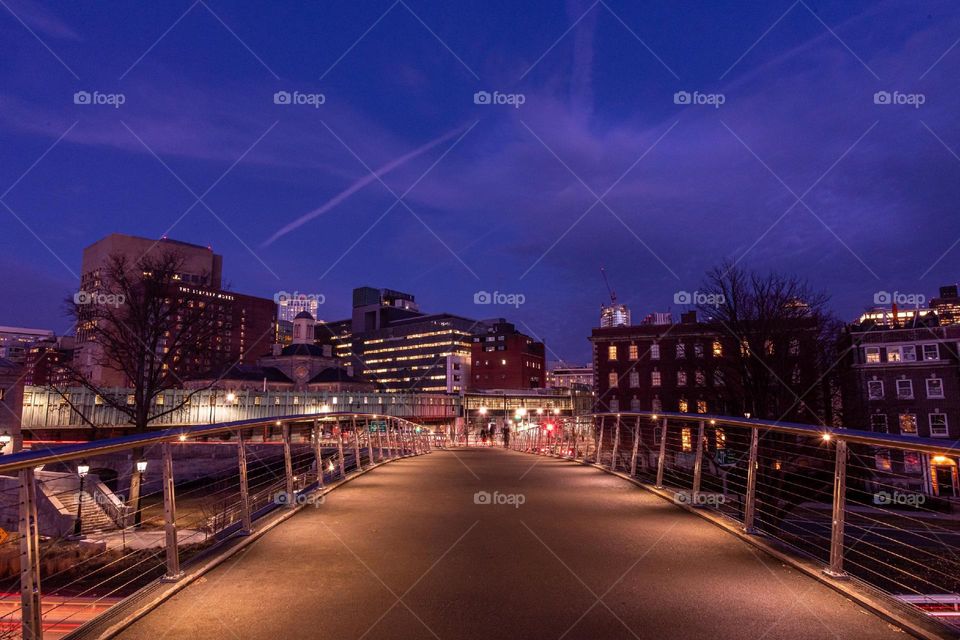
(720, 438)
(681, 378)
(718, 377)
(656, 405)
(894, 355)
(683, 405)
(878, 422)
(908, 424)
(768, 347)
(701, 406)
(938, 425)
(612, 352)
(904, 389)
(875, 389)
(934, 388)
(700, 378)
(795, 374)
(686, 439)
(882, 460)
(911, 462)
(681, 350)
(717, 349)
(655, 351)
(909, 353)
(614, 404)
(931, 352)
(612, 379)
(698, 350)
(634, 379)
(655, 378)
(794, 347)
(634, 403)
(634, 352)
(872, 355)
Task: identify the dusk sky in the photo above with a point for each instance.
(798, 170)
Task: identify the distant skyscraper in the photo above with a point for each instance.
(947, 305)
(614, 315)
(289, 306)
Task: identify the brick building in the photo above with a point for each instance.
(504, 358)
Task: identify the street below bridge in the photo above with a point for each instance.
(488, 543)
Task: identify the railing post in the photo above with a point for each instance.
(663, 454)
(356, 442)
(379, 443)
(835, 569)
(318, 451)
(343, 467)
(31, 619)
(598, 454)
(576, 441)
(246, 521)
(750, 507)
(616, 445)
(170, 516)
(288, 467)
(698, 465)
(636, 448)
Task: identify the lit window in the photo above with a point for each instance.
(878, 422)
(938, 425)
(905, 389)
(701, 406)
(655, 378)
(872, 355)
(893, 354)
(686, 439)
(613, 379)
(720, 437)
(768, 347)
(875, 389)
(717, 349)
(931, 352)
(612, 352)
(911, 462)
(934, 388)
(908, 424)
(882, 460)
(655, 351)
(683, 405)
(634, 352)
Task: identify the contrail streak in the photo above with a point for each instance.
(360, 184)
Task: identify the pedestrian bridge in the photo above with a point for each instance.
(370, 526)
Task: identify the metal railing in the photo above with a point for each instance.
(879, 509)
(71, 560)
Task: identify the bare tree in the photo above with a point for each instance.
(137, 325)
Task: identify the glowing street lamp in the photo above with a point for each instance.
(231, 397)
(141, 469)
(82, 470)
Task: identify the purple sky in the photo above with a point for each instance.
(500, 198)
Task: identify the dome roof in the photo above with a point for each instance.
(303, 314)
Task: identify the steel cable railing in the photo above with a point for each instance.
(879, 509)
(88, 546)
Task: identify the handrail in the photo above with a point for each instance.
(926, 445)
(33, 458)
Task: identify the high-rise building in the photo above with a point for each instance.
(15, 342)
(289, 306)
(246, 324)
(947, 305)
(614, 315)
(504, 358)
(44, 362)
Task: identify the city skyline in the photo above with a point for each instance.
(806, 173)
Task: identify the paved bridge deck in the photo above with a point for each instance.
(404, 552)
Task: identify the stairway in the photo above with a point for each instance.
(93, 518)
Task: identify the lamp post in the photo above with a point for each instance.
(141, 469)
(82, 470)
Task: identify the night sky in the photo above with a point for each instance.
(799, 170)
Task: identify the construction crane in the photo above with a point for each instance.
(613, 294)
